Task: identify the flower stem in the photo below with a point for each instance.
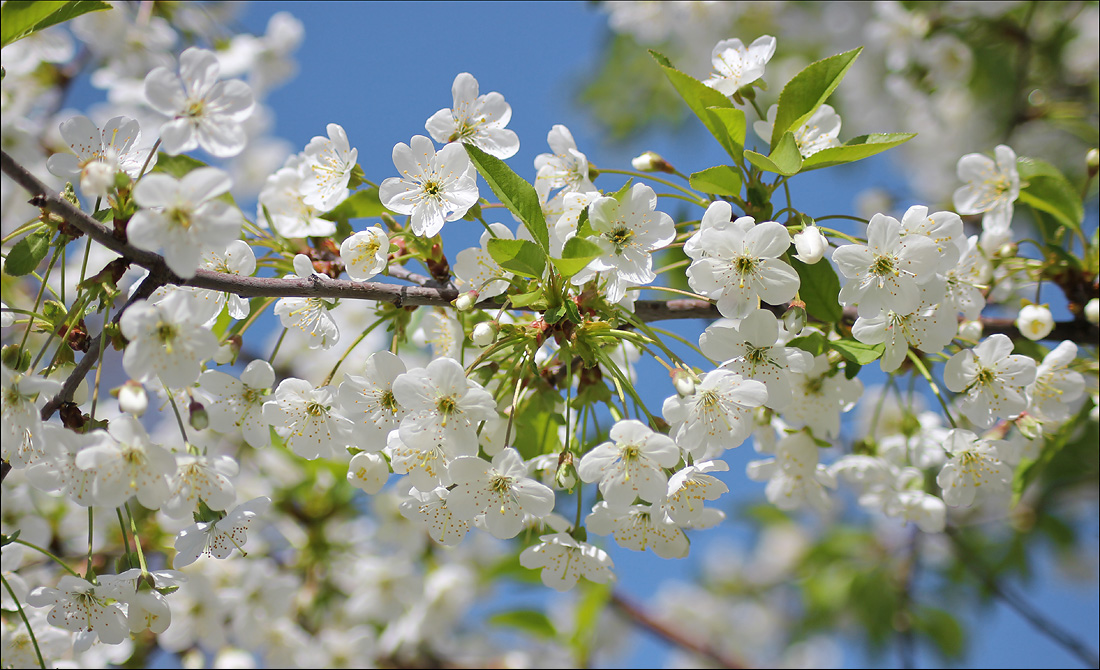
(26, 622)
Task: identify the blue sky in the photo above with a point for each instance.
(380, 70)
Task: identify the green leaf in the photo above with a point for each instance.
(518, 256)
(177, 166)
(532, 298)
(851, 369)
(807, 91)
(537, 423)
(819, 288)
(814, 343)
(359, 205)
(729, 127)
(529, 621)
(855, 149)
(589, 608)
(719, 180)
(577, 253)
(20, 18)
(554, 314)
(28, 252)
(699, 97)
(943, 629)
(515, 193)
(858, 352)
(785, 159)
(1045, 188)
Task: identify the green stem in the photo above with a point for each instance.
(362, 336)
(47, 553)
(38, 299)
(137, 540)
(91, 529)
(693, 196)
(919, 364)
(26, 622)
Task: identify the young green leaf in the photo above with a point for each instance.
(578, 253)
(359, 205)
(28, 253)
(785, 159)
(855, 149)
(1045, 188)
(20, 18)
(732, 124)
(808, 90)
(518, 256)
(529, 621)
(515, 193)
(814, 343)
(699, 97)
(858, 352)
(719, 180)
(819, 288)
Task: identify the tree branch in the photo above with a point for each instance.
(425, 292)
(643, 619)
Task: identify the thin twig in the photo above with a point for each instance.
(644, 619)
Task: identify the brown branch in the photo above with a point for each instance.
(644, 619)
(425, 292)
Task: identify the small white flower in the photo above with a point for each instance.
(114, 147)
(238, 404)
(282, 200)
(1092, 311)
(477, 120)
(484, 333)
(637, 527)
(794, 476)
(476, 270)
(434, 187)
(975, 466)
(1056, 386)
(128, 463)
(200, 477)
(310, 315)
(306, 417)
(821, 130)
(368, 472)
(82, 607)
(1035, 321)
(716, 416)
(218, 538)
(992, 379)
(735, 65)
(811, 245)
(165, 342)
(992, 186)
(369, 402)
(928, 328)
(565, 168)
(444, 407)
(739, 266)
(564, 561)
(943, 228)
(365, 253)
(820, 394)
(204, 112)
(631, 465)
(431, 509)
(501, 491)
(184, 217)
(689, 488)
(328, 162)
(132, 398)
(21, 397)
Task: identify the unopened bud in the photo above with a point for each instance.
(794, 319)
(1092, 311)
(224, 354)
(132, 398)
(1008, 250)
(811, 245)
(1035, 321)
(484, 333)
(15, 358)
(565, 477)
(650, 162)
(1029, 427)
(97, 179)
(1092, 160)
(198, 419)
(684, 382)
(466, 301)
(390, 222)
(971, 330)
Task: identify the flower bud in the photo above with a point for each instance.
(684, 382)
(1092, 160)
(794, 319)
(132, 398)
(1092, 311)
(199, 419)
(484, 333)
(811, 245)
(650, 162)
(1029, 427)
(1035, 322)
(97, 178)
(971, 330)
(15, 358)
(466, 301)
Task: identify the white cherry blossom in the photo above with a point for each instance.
(638, 527)
(328, 162)
(500, 490)
(165, 342)
(716, 416)
(690, 488)
(739, 266)
(820, 394)
(310, 315)
(475, 269)
(368, 472)
(1035, 321)
(57, 472)
(992, 187)
(736, 65)
(237, 404)
(218, 538)
(444, 407)
(282, 203)
(943, 228)
(628, 232)
(200, 477)
(810, 244)
(434, 187)
(116, 145)
(563, 561)
(795, 476)
(431, 509)
(1056, 388)
(82, 607)
(308, 419)
(928, 328)
(477, 120)
(184, 217)
(975, 467)
(128, 463)
(821, 130)
(369, 402)
(991, 378)
(886, 272)
(204, 112)
(365, 253)
(631, 465)
(565, 168)
(966, 280)
(22, 395)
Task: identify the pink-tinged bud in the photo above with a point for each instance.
(466, 301)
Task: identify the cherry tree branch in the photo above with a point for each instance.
(641, 618)
(422, 293)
